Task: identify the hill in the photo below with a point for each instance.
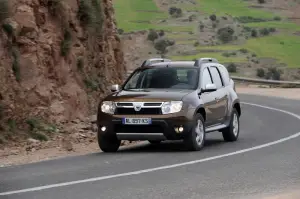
(254, 38)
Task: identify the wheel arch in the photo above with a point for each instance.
(202, 111)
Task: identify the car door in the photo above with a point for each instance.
(221, 95)
(208, 98)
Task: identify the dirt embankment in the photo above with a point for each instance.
(57, 59)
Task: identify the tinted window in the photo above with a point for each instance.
(160, 78)
(206, 79)
(216, 77)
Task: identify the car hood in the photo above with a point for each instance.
(148, 95)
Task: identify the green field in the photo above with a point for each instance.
(133, 15)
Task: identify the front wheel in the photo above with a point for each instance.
(108, 143)
(196, 138)
(231, 133)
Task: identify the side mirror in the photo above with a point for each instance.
(209, 88)
(115, 88)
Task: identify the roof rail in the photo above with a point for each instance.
(205, 60)
(154, 60)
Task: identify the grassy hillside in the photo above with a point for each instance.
(252, 36)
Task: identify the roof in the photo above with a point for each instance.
(174, 64)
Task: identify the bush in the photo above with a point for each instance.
(264, 31)
(249, 19)
(254, 33)
(243, 50)
(4, 10)
(232, 68)
(161, 33)
(213, 17)
(261, 1)
(120, 31)
(84, 13)
(196, 43)
(273, 73)
(277, 18)
(16, 64)
(80, 63)
(225, 34)
(66, 43)
(260, 72)
(8, 29)
(152, 35)
(91, 84)
(201, 27)
(272, 29)
(175, 12)
(162, 44)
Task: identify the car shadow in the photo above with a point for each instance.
(167, 146)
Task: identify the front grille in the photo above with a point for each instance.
(143, 111)
(119, 128)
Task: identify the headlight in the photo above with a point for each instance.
(171, 107)
(108, 107)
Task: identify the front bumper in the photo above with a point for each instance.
(163, 127)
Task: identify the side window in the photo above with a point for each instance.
(216, 77)
(206, 79)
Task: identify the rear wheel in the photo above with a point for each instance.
(196, 138)
(108, 143)
(231, 133)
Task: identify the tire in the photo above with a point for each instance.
(231, 133)
(154, 141)
(108, 143)
(195, 141)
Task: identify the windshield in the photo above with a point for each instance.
(161, 78)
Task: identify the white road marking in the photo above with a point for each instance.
(167, 166)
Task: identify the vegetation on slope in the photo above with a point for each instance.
(220, 28)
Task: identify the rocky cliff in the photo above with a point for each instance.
(57, 59)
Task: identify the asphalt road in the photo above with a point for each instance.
(265, 160)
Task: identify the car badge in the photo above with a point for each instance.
(137, 106)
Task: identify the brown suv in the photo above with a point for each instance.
(170, 100)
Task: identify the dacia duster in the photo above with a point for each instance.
(170, 100)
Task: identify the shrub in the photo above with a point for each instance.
(213, 17)
(161, 33)
(120, 31)
(162, 44)
(91, 84)
(264, 31)
(249, 19)
(80, 63)
(12, 125)
(272, 29)
(152, 35)
(261, 1)
(4, 10)
(214, 25)
(84, 13)
(8, 29)
(196, 43)
(273, 73)
(39, 136)
(201, 27)
(66, 43)
(225, 34)
(254, 33)
(260, 72)
(277, 18)
(16, 64)
(232, 68)
(175, 12)
(243, 50)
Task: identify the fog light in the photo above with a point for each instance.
(103, 128)
(180, 129)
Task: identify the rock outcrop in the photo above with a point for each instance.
(57, 58)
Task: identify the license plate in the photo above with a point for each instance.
(137, 121)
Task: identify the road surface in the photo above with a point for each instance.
(264, 161)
